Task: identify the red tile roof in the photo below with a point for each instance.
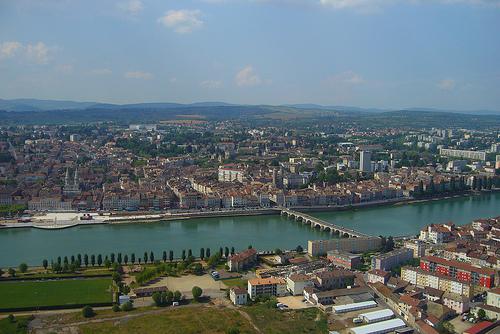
(479, 328)
(459, 265)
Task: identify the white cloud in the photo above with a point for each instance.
(138, 75)
(247, 77)
(65, 68)
(447, 84)
(131, 7)
(101, 71)
(346, 78)
(212, 84)
(38, 53)
(9, 49)
(182, 21)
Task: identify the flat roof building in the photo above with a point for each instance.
(376, 316)
(379, 327)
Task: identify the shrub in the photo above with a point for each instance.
(127, 307)
(87, 312)
(116, 308)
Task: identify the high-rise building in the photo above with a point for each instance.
(365, 163)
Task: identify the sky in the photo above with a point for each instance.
(368, 53)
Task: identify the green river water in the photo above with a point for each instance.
(262, 232)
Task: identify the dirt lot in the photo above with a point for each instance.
(294, 302)
(185, 283)
(459, 325)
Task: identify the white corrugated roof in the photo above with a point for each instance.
(371, 316)
(388, 325)
(353, 306)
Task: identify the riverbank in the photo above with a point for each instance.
(166, 217)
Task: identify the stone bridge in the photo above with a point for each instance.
(341, 231)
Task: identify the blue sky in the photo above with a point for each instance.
(368, 53)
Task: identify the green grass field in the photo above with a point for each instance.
(55, 293)
(18, 326)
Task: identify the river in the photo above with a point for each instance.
(262, 232)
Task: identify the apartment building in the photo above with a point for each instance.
(336, 279)
(418, 247)
(353, 245)
(391, 259)
(344, 259)
(424, 279)
(461, 271)
(266, 287)
(467, 154)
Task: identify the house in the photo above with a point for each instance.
(266, 287)
(377, 275)
(296, 283)
(456, 302)
(481, 328)
(242, 260)
(238, 295)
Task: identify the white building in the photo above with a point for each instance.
(296, 283)
(238, 295)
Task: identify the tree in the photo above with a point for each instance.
(87, 312)
(86, 260)
(171, 255)
(221, 251)
(299, 249)
(12, 272)
(207, 253)
(132, 258)
(164, 256)
(66, 261)
(196, 291)
(99, 260)
(79, 258)
(250, 247)
(145, 257)
(72, 259)
(226, 252)
(183, 255)
(169, 298)
(92, 260)
(190, 253)
(56, 267)
(202, 253)
(116, 308)
(125, 259)
(112, 257)
(151, 257)
(157, 298)
(23, 267)
(232, 251)
(45, 264)
(59, 260)
(177, 296)
(278, 251)
(119, 258)
(116, 277)
(107, 263)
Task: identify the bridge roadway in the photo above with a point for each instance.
(323, 225)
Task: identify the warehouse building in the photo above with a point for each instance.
(353, 307)
(377, 316)
(379, 327)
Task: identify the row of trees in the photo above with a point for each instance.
(75, 262)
